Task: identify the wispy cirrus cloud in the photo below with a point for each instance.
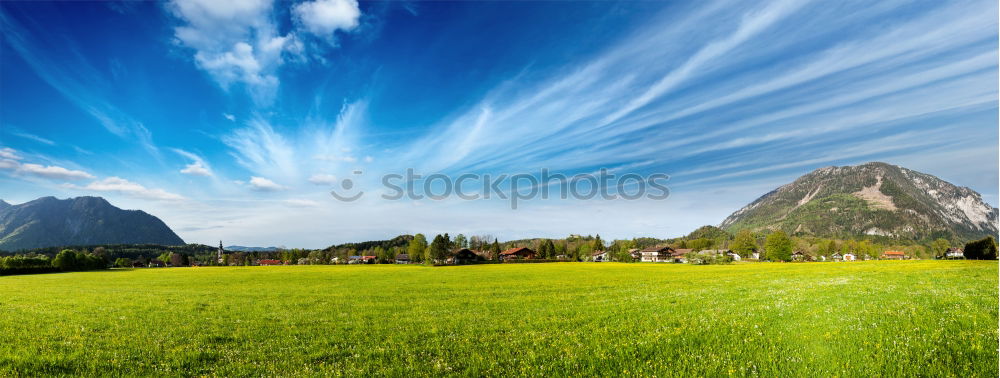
(77, 80)
(29, 136)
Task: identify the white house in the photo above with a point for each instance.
(657, 254)
(600, 256)
(850, 257)
(954, 253)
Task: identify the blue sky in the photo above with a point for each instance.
(234, 120)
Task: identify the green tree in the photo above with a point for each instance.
(598, 243)
(495, 250)
(416, 248)
(461, 241)
(744, 244)
(122, 262)
(164, 258)
(65, 260)
(778, 246)
(700, 244)
(437, 253)
(940, 246)
(982, 249)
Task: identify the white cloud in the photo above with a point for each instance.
(9, 162)
(324, 17)
(234, 41)
(9, 153)
(261, 184)
(197, 167)
(229, 117)
(369, 159)
(323, 179)
(53, 172)
(123, 186)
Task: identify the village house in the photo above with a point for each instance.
(755, 255)
(264, 262)
(636, 255)
(850, 257)
(954, 253)
(837, 256)
(679, 255)
(735, 256)
(800, 256)
(520, 253)
(657, 254)
(463, 256)
(402, 258)
(894, 255)
(600, 256)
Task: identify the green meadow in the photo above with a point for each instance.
(890, 318)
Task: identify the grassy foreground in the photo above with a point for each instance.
(817, 319)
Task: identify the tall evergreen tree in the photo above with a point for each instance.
(495, 250)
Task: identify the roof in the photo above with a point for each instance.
(656, 249)
(954, 249)
(895, 253)
(514, 251)
(402, 256)
(598, 253)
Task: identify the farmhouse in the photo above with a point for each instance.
(800, 256)
(954, 253)
(402, 258)
(634, 252)
(837, 256)
(850, 257)
(894, 255)
(463, 256)
(657, 254)
(599, 256)
(520, 253)
(263, 262)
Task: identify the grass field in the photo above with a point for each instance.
(816, 319)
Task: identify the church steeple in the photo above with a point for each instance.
(220, 253)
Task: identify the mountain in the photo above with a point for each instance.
(872, 199)
(49, 222)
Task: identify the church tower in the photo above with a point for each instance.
(221, 252)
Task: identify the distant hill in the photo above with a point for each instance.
(240, 248)
(708, 232)
(51, 222)
(872, 199)
(399, 241)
